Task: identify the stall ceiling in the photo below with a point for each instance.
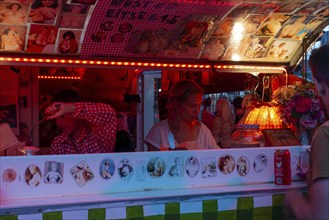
(213, 31)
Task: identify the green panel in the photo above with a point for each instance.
(277, 213)
(52, 216)
(8, 217)
(244, 214)
(277, 200)
(172, 217)
(227, 215)
(172, 208)
(209, 206)
(245, 208)
(209, 215)
(96, 214)
(245, 203)
(134, 212)
(191, 216)
(277, 209)
(262, 213)
(155, 217)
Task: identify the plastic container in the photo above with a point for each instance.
(247, 135)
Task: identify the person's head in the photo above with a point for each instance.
(237, 102)
(44, 3)
(221, 105)
(185, 100)
(247, 101)
(68, 35)
(12, 32)
(207, 102)
(319, 65)
(67, 123)
(76, 9)
(44, 30)
(9, 31)
(14, 6)
(54, 166)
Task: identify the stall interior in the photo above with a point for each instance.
(106, 50)
(252, 98)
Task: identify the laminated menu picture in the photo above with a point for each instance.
(192, 166)
(156, 167)
(13, 13)
(214, 49)
(257, 47)
(260, 163)
(281, 49)
(44, 12)
(140, 170)
(125, 169)
(208, 167)
(54, 172)
(107, 168)
(226, 164)
(9, 175)
(175, 165)
(81, 173)
(243, 166)
(12, 37)
(33, 175)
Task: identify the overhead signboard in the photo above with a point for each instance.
(207, 31)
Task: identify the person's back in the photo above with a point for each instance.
(86, 127)
(316, 205)
(223, 125)
(207, 117)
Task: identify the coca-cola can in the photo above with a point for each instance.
(282, 167)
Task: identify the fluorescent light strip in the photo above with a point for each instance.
(139, 64)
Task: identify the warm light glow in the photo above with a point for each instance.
(59, 77)
(237, 32)
(267, 117)
(236, 57)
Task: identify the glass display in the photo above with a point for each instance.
(247, 135)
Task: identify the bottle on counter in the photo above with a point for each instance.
(282, 167)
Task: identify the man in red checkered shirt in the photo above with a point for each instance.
(86, 127)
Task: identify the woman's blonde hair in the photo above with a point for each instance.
(180, 92)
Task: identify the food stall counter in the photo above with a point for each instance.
(146, 184)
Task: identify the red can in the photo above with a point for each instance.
(282, 167)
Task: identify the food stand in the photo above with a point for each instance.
(185, 184)
(152, 36)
